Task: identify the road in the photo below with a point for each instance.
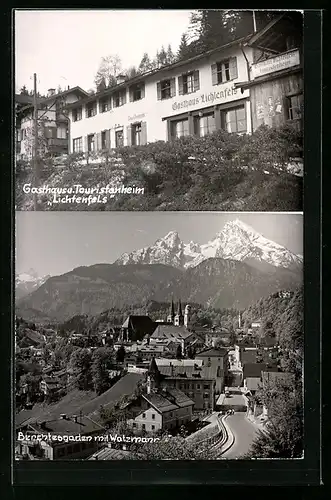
(244, 433)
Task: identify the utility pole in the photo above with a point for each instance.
(35, 142)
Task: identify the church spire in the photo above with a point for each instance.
(171, 315)
(179, 318)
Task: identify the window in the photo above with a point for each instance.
(180, 128)
(90, 143)
(198, 386)
(153, 427)
(119, 138)
(206, 386)
(204, 124)
(91, 109)
(295, 104)
(153, 416)
(134, 424)
(189, 83)
(136, 139)
(61, 133)
(144, 415)
(119, 98)
(77, 114)
(77, 145)
(137, 92)
(166, 89)
(235, 120)
(143, 426)
(224, 71)
(104, 104)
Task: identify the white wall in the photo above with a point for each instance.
(152, 110)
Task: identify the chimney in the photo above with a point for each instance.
(50, 92)
(63, 416)
(120, 79)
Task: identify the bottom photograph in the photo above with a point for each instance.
(158, 336)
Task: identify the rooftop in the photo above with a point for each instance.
(254, 370)
(168, 399)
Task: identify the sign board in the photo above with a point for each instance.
(283, 61)
(223, 94)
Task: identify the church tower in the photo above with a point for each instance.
(171, 315)
(179, 318)
(187, 316)
(153, 377)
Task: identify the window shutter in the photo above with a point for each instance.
(85, 144)
(128, 135)
(124, 96)
(233, 68)
(214, 79)
(159, 91)
(143, 133)
(196, 80)
(97, 139)
(109, 102)
(180, 85)
(173, 87)
(108, 139)
(130, 94)
(100, 105)
(142, 90)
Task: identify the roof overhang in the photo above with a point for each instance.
(266, 78)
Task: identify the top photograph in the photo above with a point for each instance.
(158, 110)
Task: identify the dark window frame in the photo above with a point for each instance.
(77, 114)
(80, 142)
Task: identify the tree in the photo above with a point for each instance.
(173, 448)
(179, 353)
(102, 85)
(100, 377)
(162, 57)
(80, 363)
(131, 72)
(24, 90)
(283, 436)
(145, 64)
(170, 55)
(109, 68)
(120, 355)
(184, 50)
(191, 352)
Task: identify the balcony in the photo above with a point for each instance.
(56, 145)
(278, 63)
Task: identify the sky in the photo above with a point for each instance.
(57, 242)
(65, 47)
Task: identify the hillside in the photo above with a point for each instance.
(220, 283)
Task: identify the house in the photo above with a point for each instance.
(197, 382)
(53, 124)
(55, 443)
(275, 79)
(192, 97)
(217, 359)
(50, 385)
(161, 407)
(252, 375)
(179, 335)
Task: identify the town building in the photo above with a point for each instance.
(237, 87)
(161, 407)
(53, 124)
(252, 375)
(191, 97)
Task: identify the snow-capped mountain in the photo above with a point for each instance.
(26, 283)
(236, 241)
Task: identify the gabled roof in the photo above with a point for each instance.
(44, 100)
(274, 377)
(171, 332)
(142, 324)
(212, 353)
(254, 370)
(189, 372)
(168, 67)
(168, 399)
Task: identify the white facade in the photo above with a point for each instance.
(195, 96)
